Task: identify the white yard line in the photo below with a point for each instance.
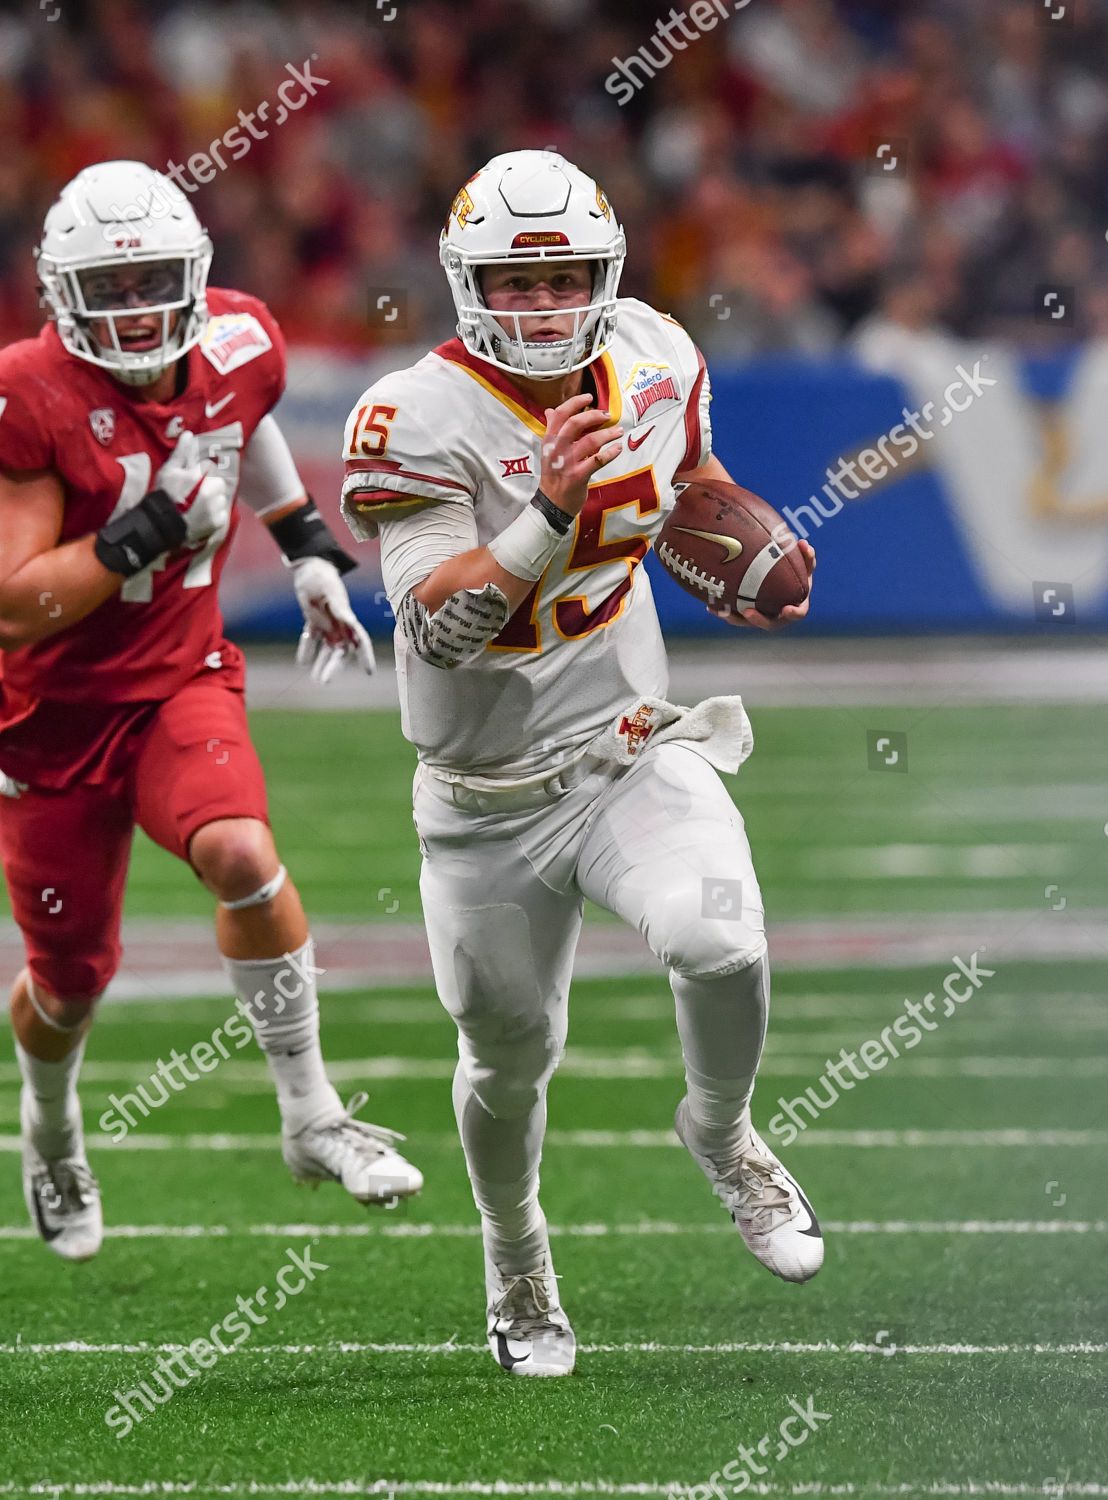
(582, 1231)
(650, 1228)
(922, 1140)
(565, 1489)
(845, 1006)
(342, 1346)
(250, 1077)
(919, 861)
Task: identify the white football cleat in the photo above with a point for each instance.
(766, 1205)
(529, 1334)
(360, 1156)
(63, 1199)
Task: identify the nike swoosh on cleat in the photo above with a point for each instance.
(813, 1227)
(507, 1359)
(47, 1233)
(634, 443)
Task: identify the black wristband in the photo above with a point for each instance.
(304, 533)
(561, 520)
(140, 535)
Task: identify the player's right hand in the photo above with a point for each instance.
(201, 495)
(575, 446)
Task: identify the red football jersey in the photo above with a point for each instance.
(61, 413)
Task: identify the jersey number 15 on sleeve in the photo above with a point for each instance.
(370, 437)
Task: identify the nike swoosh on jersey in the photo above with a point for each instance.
(634, 443)
(213, 408)
(732, 547)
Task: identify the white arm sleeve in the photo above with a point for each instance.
(413, 546)
(269, 476)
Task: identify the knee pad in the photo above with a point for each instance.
(509, 1067)
(77, 1010)
(706, 930)
(77, 979)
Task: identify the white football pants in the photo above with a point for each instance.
(659, 843)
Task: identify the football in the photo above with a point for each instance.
(729, 548)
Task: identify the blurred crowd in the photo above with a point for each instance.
(803, 167)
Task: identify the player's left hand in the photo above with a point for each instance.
(790, 613)
(332, 631)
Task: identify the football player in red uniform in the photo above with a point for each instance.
(128, 428)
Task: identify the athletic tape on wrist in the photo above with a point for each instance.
(527, 544)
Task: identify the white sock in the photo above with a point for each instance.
(722, 1023)
(279, 997)
(49, 1106)
(502, 1158)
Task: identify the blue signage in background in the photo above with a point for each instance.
(996, 521)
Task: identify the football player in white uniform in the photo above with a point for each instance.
(517, 476)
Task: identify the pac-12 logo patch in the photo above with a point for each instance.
(102, 422)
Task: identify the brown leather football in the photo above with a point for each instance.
(726, 546)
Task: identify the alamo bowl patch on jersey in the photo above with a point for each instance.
(649, 386)
(234, 339)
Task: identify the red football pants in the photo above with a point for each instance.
(171, 768)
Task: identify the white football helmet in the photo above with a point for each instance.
(528, 206)
(123, 213)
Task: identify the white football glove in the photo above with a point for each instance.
(201, 495)
(332, 631)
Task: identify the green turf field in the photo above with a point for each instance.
(957, 1336)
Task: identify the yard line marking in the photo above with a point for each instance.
(927, 860)
(634, 1063)
(342, 1346)
(955, 1489)
(847, 1006)
(142, 1140)
(647, 1228)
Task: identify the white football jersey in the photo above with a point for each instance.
(440, 457)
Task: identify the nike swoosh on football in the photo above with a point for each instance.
(634, 443)
(213, 408)
(732, 547)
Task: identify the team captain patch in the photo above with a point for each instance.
(650, 384)
(234, 339)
